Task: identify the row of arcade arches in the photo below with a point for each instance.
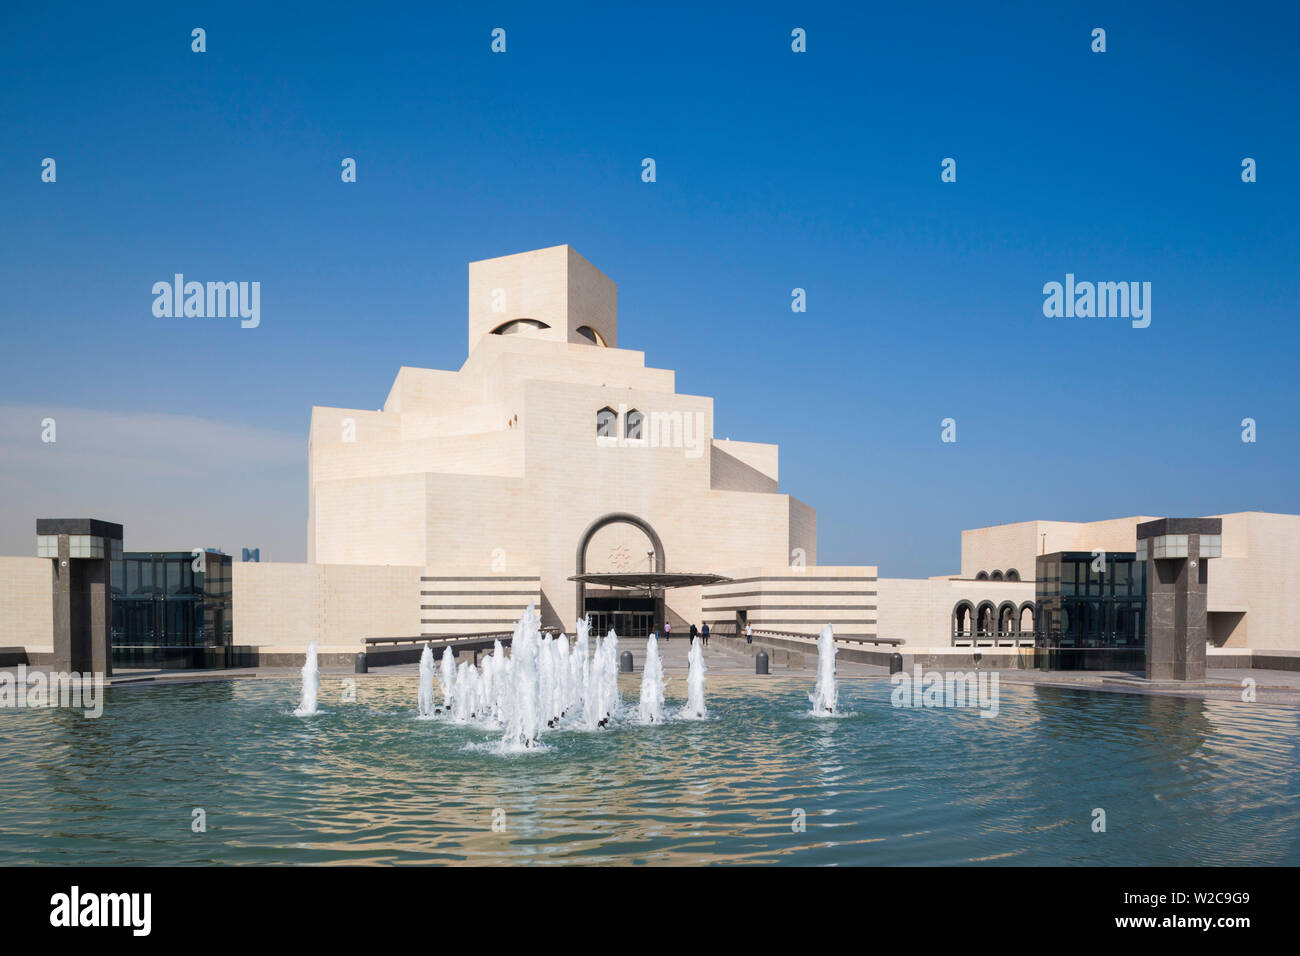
(985, 621)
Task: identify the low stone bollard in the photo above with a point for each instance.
(625, 662)
(895, 663)
(359, 663)
(760, 662)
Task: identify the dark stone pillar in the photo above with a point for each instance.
(1177, 591)
(68, 654)
(97, 579)
(83, 599)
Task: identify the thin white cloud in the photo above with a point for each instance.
(175, 482)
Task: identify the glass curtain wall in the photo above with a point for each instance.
(1091, 611)
(171, 610)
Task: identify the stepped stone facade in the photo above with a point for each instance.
(506, 472)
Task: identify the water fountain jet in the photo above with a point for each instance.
(425, 701)
(651, 708)
(447, 678)
(695, 709)
(310, 684)
(825, 695)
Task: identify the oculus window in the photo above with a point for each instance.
(520, 327)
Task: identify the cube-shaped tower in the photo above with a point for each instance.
(552, 294)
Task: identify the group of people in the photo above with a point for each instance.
(702, 634)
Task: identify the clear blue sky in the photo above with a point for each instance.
(775, 170)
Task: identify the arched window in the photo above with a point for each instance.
(516, 326)
(982, 576)
(963, 623)
(607, 423)
(592, 336)
(1013, 574)
(632, 424)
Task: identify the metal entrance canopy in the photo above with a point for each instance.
(649, 580)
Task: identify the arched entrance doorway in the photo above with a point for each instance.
(629, 613)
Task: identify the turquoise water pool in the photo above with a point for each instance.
(1181, 781)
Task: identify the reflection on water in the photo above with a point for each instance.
(1182, 781)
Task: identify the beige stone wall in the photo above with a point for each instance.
(1254, 589)
(555, 285)
(593, 300)
(1228, 629)
(730, 473)
(283, 607)
(27, 603)
(377, 520)
(802, 545)
(797, 600)
(744, 466)
(920, 611)
(619, 548)
(1001, 547)
(499, 363)
(456, 601)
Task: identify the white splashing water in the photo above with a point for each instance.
(447, 678)
(651, 708)
(610, 701)
(425, 702)
(465, 684)
(825, 696)
(580, 661)
(695, 709)
(491, 672)
(544, 683)
(593, 679)
(600, 698)
(521, 704)
(310, 684)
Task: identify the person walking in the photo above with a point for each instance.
(749, 633)
(668, 631)
(694, 633)
(704, 634)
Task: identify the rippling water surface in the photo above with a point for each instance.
(1181, 781)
